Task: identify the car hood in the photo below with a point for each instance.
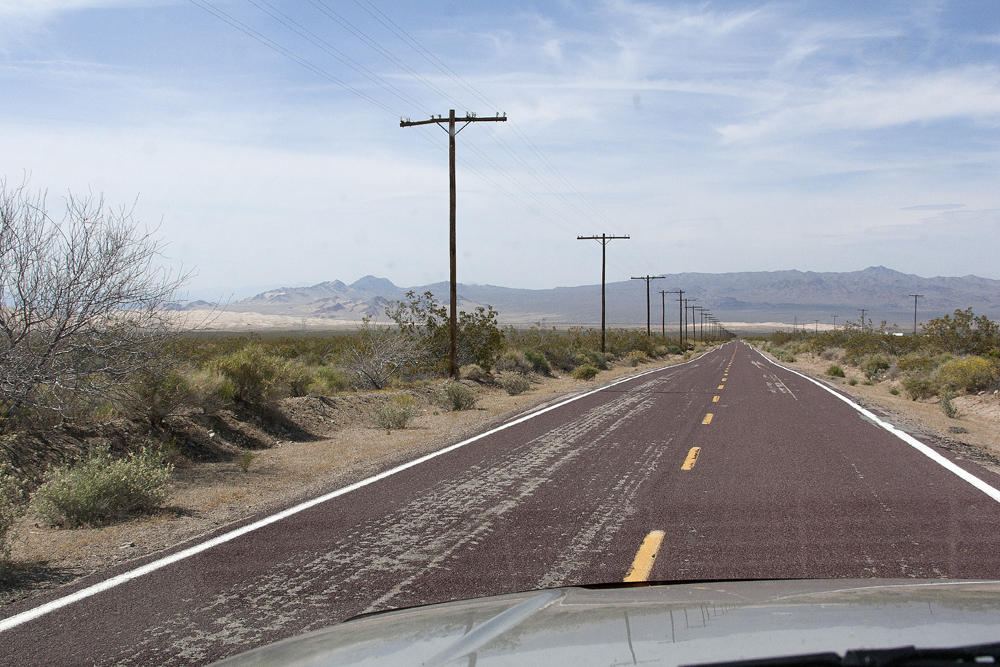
(675, 624)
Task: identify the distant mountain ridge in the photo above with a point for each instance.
(761, 296)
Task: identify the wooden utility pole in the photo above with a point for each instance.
(665, 292)
(604, 239)
(680, 317)
(915, 297)
(647, 278)
(452, 133)
(686, 307)
(863, 311)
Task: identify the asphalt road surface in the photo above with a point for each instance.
(725, 467)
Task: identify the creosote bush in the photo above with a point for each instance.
(920, 387)
(514, 383)
(947, 407)
(329, 380)
(474, 372)
(513, 361)
(873, 366)
(635, 357)
(99, 488)
(459, 397)
(835, 371)
(585, 372)
(251, 372)
(972, 374)
(395, 414)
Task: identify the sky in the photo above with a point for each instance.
(261, 139)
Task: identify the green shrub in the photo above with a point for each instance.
(99, 488)
(514, 383)
(970, 374)
(538, 362)
(245, 460)
(894, 391)
(593, 357)
(251, 371)
(459, 397)
(835, 371)
(299, 377)
(585, 372)
(329, 380)
(635, 357)
(673, 349)
(852, 382)
(11, 506)
(872, 366)
(947, 407)
(157, 393)
(396, 414)
(920, 386)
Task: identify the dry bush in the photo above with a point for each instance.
(11, 507)
(380, 353)
(475, 373)
(635, 357)
(585, 372)
(458, 397)
(513, 361)
(396, 414)
(514, 383)
(252, 373)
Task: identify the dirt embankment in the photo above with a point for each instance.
(301, 447)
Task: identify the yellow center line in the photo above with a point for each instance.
(691, 459)
(643, 563)
(707, 419)
(722, 386)
(715, 399)
(723, 379)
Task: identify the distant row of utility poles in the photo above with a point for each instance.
(863, 311)
(604, 239)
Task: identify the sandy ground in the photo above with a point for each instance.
(204, 496)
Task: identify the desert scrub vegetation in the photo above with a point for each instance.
(954, 354)
(99, 488)
(835, 371)
(456, 396)
(514, 383)
(395, 414)
(585, 372)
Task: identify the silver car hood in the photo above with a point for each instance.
(668, 625)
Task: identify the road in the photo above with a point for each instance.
(727, 466)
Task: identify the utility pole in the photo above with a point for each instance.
(452, 133)
(663, 314)
(604, 239)
(915, 297)
(835, 322)
(863, 311)
(701, 314)
(686, 307)
(817, 325)
(680, 316)
(647, 278)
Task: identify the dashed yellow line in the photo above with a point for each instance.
(722, 386)
(643, 563)
(715, 399)
(723, 379)
(691, 459)
(707, 419)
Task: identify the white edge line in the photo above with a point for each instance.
(37, 612)
(905, 437)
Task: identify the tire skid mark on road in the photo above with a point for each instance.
(401, 546)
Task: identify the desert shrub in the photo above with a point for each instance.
(585, 372)
(245, 460)
(11, 505)
(329, 380)
(251, 372)
(474, 372)
(894, 391)
(831, 354)
(917, 363)
(538, 362)
(635, 357)
(970, 374)
(920, 386)
(947, 407)
(459, 397)
(513, 361)
(872, 366)
(852, 382)
(299, 378)
(673, 349)
(395, 414)
(100, 488)
(514, 383)
(157, 393)
(592, 357)
(835, 371)
(782, 354)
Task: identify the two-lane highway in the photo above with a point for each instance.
(728, 466)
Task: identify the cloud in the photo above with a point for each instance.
(857, 102)
(933, 207)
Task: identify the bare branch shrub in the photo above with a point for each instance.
(81, 303)
(380, 353)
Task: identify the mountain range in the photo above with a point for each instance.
(760, 296)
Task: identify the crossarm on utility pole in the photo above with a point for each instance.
(603, 239)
